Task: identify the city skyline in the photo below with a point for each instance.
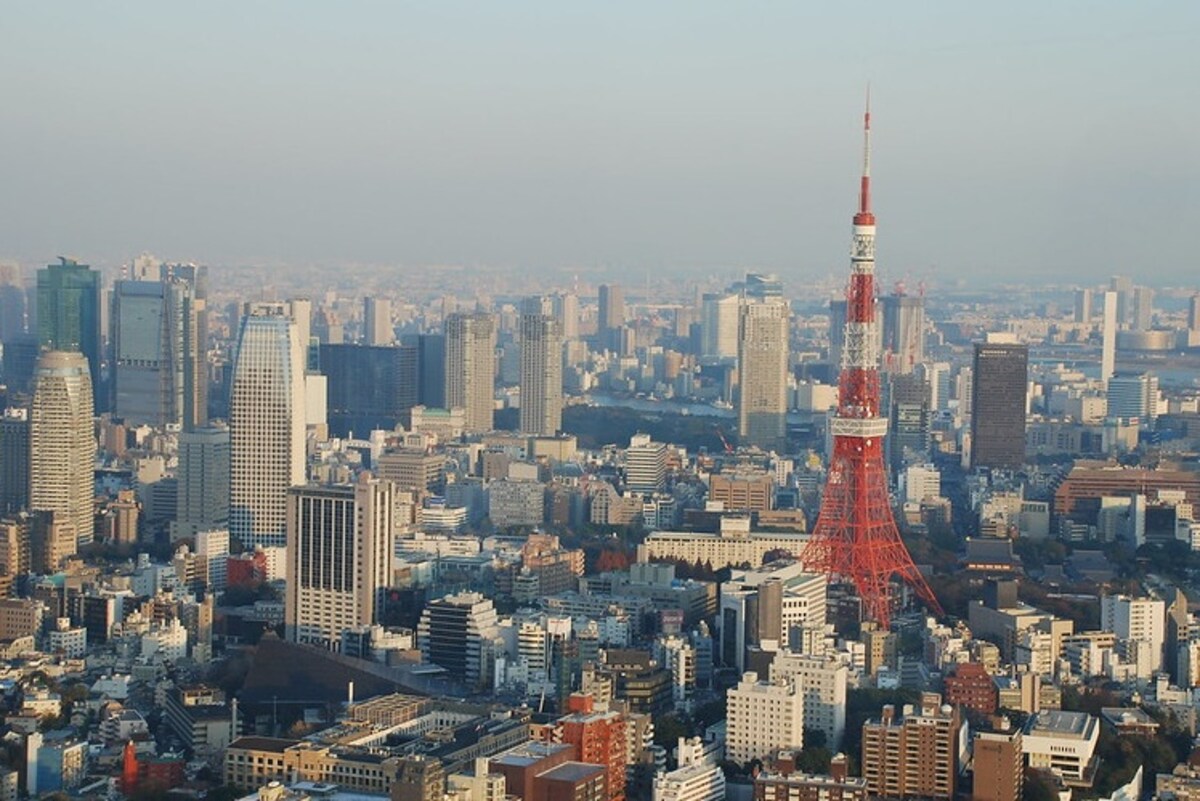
(674, 139)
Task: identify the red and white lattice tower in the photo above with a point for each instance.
(856, 540)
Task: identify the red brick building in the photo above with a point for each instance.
(599, 739)
(971, 686)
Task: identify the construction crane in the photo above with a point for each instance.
(725, 442)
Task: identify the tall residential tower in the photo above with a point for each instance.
(541, 369)
(763, 373)
(63, 442)
(471, 367)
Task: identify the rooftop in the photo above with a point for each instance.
(572, 772)
(529, 754)
(1056, 723)
(1127, 716)
(275, 744)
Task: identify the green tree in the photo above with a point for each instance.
(1038, 786)
(669, 728)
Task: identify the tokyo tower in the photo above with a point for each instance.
(856, 539)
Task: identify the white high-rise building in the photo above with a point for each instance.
(471, 367)
(822, 681)
(341, 543)
(922, 481)
(645, 464)
(1108, 348)
(266, 425)
(62, 454)
(762, 717)
(541, 369)
(1134, 396)
(763, 373)
(213, 548)
(1140, 623)
(719, 326)
(678, 655)
(698, 777)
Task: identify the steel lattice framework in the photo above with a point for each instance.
(856, 539)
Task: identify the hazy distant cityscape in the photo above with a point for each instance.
(562, 447)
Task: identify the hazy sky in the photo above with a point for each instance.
(1014, 140)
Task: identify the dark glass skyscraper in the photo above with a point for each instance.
(369, 387)
(158, 369)
(68, 315)
(1000, 375)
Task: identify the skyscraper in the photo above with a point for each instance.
(377, 321)
(763, 373)
(1108, 347)
(195, 350)
(612, 316)
(14, 461)
(719, 325)
(1194, 313)
(910, 421)
(612, 306)
(62, 443)
(1001, 374)
(369, 387)
(541, 369)
(339, 558)
(1083, 305)
(903, 332)
(431, 368)
(1143, 308)
(471, 367)
(158, 363)
(68, 316)
(1123, 286)
(266, 425)
(566, 309)
(202, 494)
(12, 303)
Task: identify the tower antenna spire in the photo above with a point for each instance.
(864, 192)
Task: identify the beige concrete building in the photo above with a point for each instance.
(763, 373)
(471, 367)
(62, 457)
(541, 376)
(763, 717)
